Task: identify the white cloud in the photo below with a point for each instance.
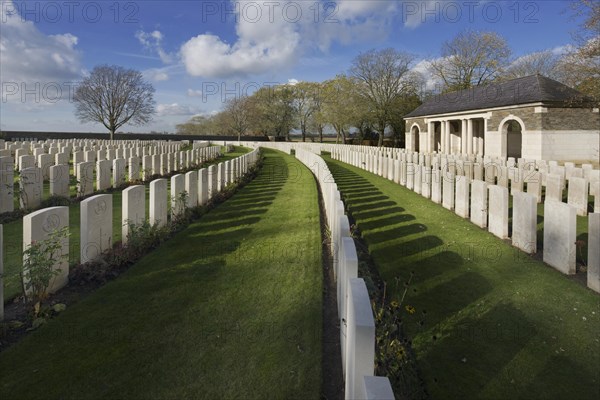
(194, 93)
(28, 55)
(176, 109)
(153, 42)
(430, 82)
(275, 35)
(156, 74)
(292, 81)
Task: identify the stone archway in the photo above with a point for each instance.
(437, 137)
(415, 133)
(512, 131)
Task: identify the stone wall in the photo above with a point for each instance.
(531, 120)
(570, 119)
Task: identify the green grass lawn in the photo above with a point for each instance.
(13, 232)
(228, 308)
(490, 322)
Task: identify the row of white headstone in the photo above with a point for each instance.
(581, 182)
(487, 206)
(357, 326)
(194, 188)
(104, 172)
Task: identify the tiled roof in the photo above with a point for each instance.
(529, 89)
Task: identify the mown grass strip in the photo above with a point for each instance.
(13, 233)
(485, 320)
(228, 308)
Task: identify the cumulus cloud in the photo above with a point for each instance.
(28, 55)
(153, 41)
(176, 109)
(275, 35)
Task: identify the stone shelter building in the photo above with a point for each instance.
(533, 117)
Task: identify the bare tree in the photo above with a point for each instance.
(341, 104)
(383, 76)
(543, 62)
(114, 96)
(471, 59)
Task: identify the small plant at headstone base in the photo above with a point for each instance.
(55, 201)
(581, 245)
(179, 203)
(38, 271)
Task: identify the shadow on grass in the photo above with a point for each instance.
(498, 336)
(384, 224)
(463, 290)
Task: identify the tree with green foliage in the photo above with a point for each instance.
(273, 110)
(341, 104)
(305, 104)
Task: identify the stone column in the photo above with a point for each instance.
(448, 141)
(443, 136)
(430, 137)
(469, 136)
(463, 136)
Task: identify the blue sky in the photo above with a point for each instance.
(197, 53)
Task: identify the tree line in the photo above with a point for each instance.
(369, 100)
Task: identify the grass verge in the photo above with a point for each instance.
(229, 307)
(485, 321)
(13, 232)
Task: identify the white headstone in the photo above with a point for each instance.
(360, 345)
(212, 181)
(158, 202)
(45, 161)
(533, 179)
(448, 191)
(133, 208)
(202, 186)
(436, 186)
(177, 201)
(554, 188)
(134, 169)
(577, 195)
(524, 222)
(118, 168)
(479, 203)
(85, 184)
(96, 220)
(191, 187)
(59, 180)
(498, 211)
(61, 158)
(461, 205)
(146, 167)
(37, 227)
(26, 161)
(31, 186)
(560, 226)
(103, 174)
(593, 261)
